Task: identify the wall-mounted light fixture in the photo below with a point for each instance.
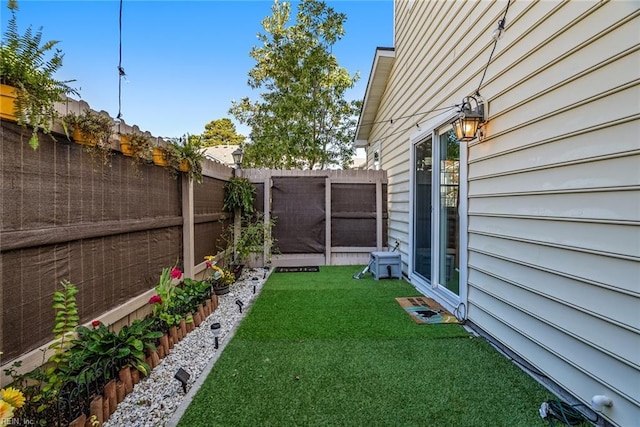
(469, 119)
(237, 157)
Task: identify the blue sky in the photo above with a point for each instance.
(185, 60)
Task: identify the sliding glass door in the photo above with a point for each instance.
(436, 211)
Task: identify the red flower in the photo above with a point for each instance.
(176, 274)
(208, 264)
(95, 323)
(155, 300)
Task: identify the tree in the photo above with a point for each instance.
(302, 119)
(221, 132)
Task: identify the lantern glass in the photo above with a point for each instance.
(237, 156)
(466, 126)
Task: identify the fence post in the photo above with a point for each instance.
(378, 212)
(188, 234)
(267, 218)
(327, 221)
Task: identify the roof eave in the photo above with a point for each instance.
(380, 71)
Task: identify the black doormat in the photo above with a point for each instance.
(308, 269)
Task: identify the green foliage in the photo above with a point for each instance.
(39, 405)
(65, 322)
(191, 150)
(190, 295)
(221, 132)
(254, 232)
(96, 128)
(98, 346)
(303, 119)
(165, 290)
(141, 147)
(239, 193)
(25, 65)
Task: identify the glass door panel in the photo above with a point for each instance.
(449, 219)
(422, 208)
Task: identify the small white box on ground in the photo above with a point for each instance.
(385, 265)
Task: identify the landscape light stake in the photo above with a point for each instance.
(239, 304)
(183, 377)
(215, 328)
(255, 282)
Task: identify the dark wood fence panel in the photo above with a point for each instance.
(298, 207)
(353, 215)
(109, 230)
(210, 220)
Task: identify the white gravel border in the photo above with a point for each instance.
(158, 400)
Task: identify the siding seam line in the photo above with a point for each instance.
(615, 90)
(553, 192)
(618, 155)
(556, 272)
(568, 135)
(572, 78)
(566, 360)
(564, 303)
(558, 246)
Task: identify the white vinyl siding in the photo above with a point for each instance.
(553, 187)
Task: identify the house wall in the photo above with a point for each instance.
(554, 186)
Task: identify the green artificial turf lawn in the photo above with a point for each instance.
(325, 349)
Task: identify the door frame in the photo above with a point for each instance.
(452, 302)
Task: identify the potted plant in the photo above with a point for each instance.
(163, 155)
(239, 193)
(29, 89)
(188, 156)
(220, 278)
(94, 131)
(137, 146)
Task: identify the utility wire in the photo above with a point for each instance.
(121, 73)
(422, 113)
(501, 24)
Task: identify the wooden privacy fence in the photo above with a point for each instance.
(111, 230)
(327, 217)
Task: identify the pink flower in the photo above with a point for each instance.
(176, 274)
(155, 300)
(95, 323)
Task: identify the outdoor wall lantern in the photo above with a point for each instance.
(183, 377)
(469, 120)
(237, 157)
(215, 328)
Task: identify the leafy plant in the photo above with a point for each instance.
(65, 323)
(97, 129)
(164, 300)
(254, 232)
(39, 405)
(141, 147)
(189, 151)
(239, 193)
(99, 345)
(24, 65)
